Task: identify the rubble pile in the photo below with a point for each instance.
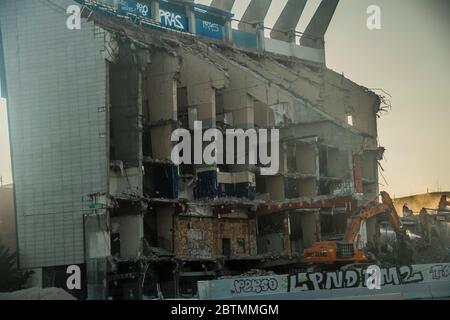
(436, 252)
(38, 294)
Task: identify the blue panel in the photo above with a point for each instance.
(134, 8)
(245, 39)
(174, 20)
(207, 185)
(227, 190)
(209, 29)
(167, 181)
(245, 190)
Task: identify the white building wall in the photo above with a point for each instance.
(57, 92)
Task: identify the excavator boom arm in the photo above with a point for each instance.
(371, 211)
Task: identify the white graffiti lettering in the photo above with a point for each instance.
(171, 19)
(256, 285)
(439, 271)
(212, 27)
(354, 278)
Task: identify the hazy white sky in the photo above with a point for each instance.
(409, 58)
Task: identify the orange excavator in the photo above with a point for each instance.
(348, 250)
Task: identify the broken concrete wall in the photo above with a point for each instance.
(322, 87)
(274, 234)
(210, 238)
(329, 133)
(126, 182)
(369, 170)
(356, 101)
(131, 231)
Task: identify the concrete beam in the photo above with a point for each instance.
(318, 26)
(256, 13)
(288, 21)
(225, 5)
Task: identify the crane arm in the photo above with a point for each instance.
(356, 221)
(371, 211)
(393, 215)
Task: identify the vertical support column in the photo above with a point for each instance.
(309, 228)
(162, 109)
(204, 98)
(287, 235)
(191, 16)
(97, 249)
(228, 32)
(284, 28)
(260, 33)
(155, 11)
(242, 106)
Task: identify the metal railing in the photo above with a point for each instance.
(110, 10)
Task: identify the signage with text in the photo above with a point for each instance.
(134, 8)
(209, 29)
(174, 20)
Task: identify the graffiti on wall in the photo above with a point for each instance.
(196, 244)
(353, 278)
(322, 281)
(326, 282)
(256, 285)
(439, 272)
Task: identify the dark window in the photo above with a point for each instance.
(226, 247)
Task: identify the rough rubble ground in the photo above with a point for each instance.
(37, 294)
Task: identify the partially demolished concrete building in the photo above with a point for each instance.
(91, 113)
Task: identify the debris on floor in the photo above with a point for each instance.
(37, 294)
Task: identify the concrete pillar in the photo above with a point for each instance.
(318, 26)
(228, 31)
(162, 105)
(255, 14)
(161, 87)
(275, 187)
(191, 15)
(131, 230)
(161, 142)
(284, 28)
(244, 118)
(287, 236)
(155, 10)
(204, 98)
(260, 33)
(309, 228)
(225, 5)
(242, 106)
